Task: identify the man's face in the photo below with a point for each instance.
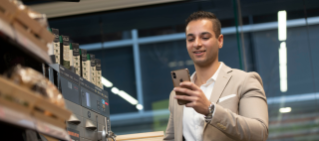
(202, 43)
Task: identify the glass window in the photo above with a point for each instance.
(118, 67)
(287, 65)
(157, 61)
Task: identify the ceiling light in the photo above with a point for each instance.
(283, 67)
(106, 82)
(282, 25)
(285, 110)
(139, 107)
(127, 97)
(115, 90)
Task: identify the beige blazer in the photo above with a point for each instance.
(241, 111)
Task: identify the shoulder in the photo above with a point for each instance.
(248, 81)
(240, 76)
(245, 76)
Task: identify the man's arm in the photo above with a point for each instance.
(169, 134)
(251, 123)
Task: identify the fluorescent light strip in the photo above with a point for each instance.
(285, 110)
(139, 107)
(115, 90)
(283, 67)
(282, 25)
(121, 93)
(106, 82)
(127, 97)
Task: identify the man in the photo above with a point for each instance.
(225, 104)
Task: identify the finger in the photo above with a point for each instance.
(190, 104)
(189, 85)
(185, 91)
(185, 97)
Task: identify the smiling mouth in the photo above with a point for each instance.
(199, 52)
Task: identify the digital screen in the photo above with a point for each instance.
(88, 99)
(70, 90)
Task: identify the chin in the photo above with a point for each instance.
(201, 63)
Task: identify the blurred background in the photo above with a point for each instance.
(139, 42)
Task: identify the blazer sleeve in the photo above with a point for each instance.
(251, 122)
(169, 134)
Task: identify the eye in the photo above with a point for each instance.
(205, 37)
(190, 39)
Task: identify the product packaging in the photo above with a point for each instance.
(93, 80)
(56, 45)
(66, 49)
(86, 66)
(71, 58)
(51, 47)
(98, 73)
(76, 59)
(35, 81)
(80, 51)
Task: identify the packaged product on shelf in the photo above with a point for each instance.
(51, 49)
(60, 51)
(71, 57)
(86, 65)
(92, 57)
(56, 45)
(35, 81)
(66, 49)
(98, 73)
(76, 58)
(81, 69)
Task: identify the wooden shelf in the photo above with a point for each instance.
(22, 120)
(22, 42)
(149, 136)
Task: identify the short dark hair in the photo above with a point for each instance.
(206, 15)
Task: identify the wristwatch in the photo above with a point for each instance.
(209, 117)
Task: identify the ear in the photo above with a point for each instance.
(220, 41)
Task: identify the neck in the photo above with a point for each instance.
(204, 73)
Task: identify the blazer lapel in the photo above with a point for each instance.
(221, 82)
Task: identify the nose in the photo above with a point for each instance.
(197, 43)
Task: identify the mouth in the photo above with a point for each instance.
(199, 52)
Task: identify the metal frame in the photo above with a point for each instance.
(137, 66)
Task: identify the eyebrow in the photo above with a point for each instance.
(190, 34)
(203, 33)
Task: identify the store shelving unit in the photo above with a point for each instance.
(16, 119)
(20, 41)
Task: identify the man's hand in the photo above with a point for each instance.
(195, 95)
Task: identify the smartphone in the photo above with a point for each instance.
(179, 76)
